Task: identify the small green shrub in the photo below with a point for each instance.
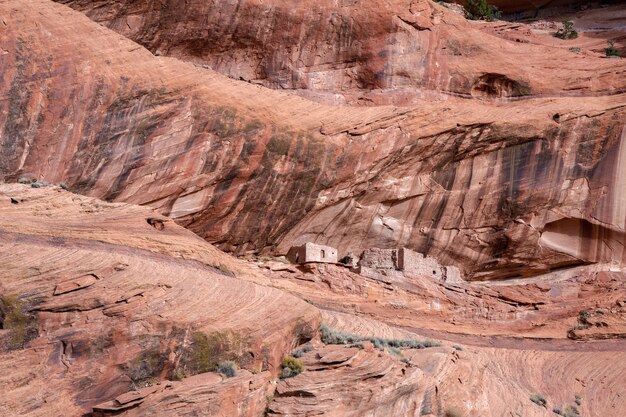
(481, 10)
(538, 399)
(291, 367)
(335, 337)
(297, 353)
(453, 412)
(145, 368)
(611, 51)
(578, 399)
(557, 410)
(378, 343)
(583, 317)
(227, 368)
(567, 31)
(457, 347)
(395, 351)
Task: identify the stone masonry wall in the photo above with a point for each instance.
(379, 258)
(311, 252)
(414, 263)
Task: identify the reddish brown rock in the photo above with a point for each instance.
(500, 188)
(365, 51)
(147, 306)
(204, 394)
(155, 288)
(499, 150)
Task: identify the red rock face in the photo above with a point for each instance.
(491, 146)
(102, 304)
(358, 52)
(96, 302)
(497, 187)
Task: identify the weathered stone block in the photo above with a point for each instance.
(377, 258)
(452, 274)
(311, 252)
(414, 263)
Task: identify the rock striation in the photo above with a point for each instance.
(96, 303)
(490, 146)
(365, 51)
(496, 185)
(103, 305)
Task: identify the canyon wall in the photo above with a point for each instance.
(365, 52)
(499, 187)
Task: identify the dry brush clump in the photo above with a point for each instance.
(538, 399)
(227, 368)
(207, 351)
(223, 352)
(18, 321)
(291, 367)
(481, 10)
(567, 31)
(611, 50)
(336, 337)
(298, 353)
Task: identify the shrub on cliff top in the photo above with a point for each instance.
(570, 411)
(567, 31)
(208, 351)
(227, 368)
(14, 318)
(481, 10)
(611, 51)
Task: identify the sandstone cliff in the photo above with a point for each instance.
(98, 299)
(263, 124)
(104, 306)
(498, 186)
(367, 51)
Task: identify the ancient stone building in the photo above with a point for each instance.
(409, 262)
(377, 258)
(414, 263)
(311, 252)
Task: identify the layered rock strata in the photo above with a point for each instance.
(497, 188)
(96, 301)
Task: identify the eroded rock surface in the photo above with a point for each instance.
(111, 309)
(499, 188)
(100, 303)
(366, 51)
